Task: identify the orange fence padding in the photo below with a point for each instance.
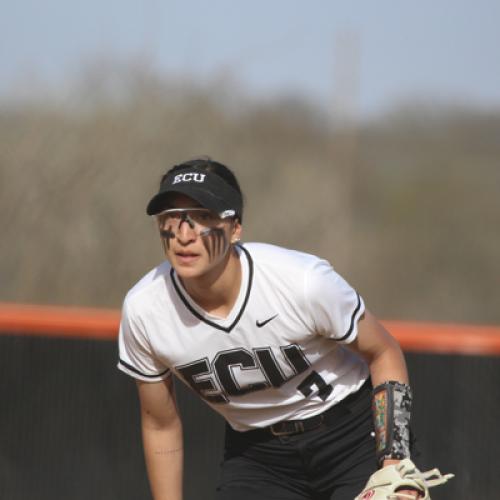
(102, 324)
(67, 322)
(445, 338)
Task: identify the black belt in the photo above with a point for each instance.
(341, 409)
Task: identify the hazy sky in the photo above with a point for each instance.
(446, 49)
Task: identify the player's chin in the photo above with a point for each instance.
(189, 270)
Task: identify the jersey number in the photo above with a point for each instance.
(216, 381)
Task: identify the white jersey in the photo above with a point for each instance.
(279, 355)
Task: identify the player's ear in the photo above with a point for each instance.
(236, 231)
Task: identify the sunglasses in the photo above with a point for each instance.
(199, 219)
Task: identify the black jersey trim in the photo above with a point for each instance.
(135, 370)
(353, 317)
(243, 306)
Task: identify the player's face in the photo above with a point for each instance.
(196, 241)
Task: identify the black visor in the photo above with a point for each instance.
(207, 188)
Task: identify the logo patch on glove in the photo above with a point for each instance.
(368, 494)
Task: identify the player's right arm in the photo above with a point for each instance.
(162, 438)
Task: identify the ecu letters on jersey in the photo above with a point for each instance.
(216, 381)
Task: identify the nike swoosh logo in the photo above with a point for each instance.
(260, 324)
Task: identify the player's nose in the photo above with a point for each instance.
(186, 231)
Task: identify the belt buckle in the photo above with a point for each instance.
(297, 427)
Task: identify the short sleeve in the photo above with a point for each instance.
(135, 354)
(335, 307)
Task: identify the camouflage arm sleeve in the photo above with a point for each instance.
(391, 406)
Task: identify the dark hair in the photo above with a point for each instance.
(207, 164)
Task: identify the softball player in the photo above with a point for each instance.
(274, 340)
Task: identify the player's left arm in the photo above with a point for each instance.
(383, 355)
(386, 363)
(380, 350)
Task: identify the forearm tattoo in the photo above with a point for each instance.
(391, 407)
(167, 451)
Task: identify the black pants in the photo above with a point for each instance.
(330, 462)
